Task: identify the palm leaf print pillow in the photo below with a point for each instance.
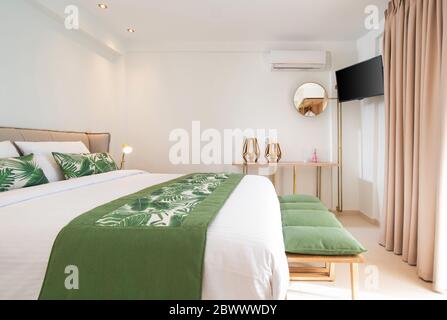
(82, 165)
(21, 172)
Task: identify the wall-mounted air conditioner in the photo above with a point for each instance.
(298, 60)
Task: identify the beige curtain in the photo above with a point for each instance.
(414, 54)
(440, 273)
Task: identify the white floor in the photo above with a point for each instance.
(384, 276)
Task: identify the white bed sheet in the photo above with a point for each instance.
(244, 256)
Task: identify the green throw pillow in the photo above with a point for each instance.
(321, 241)
(298, 198)
(82, 165)
(293, 218)
(21, 172)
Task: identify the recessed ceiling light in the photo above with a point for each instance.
(102, 6)
(131, 30)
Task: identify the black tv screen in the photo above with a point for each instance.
(361, 81)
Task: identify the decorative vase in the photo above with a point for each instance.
(251, 150)
(315, 156)
(273, 153)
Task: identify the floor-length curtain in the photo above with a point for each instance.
(440, 274)
(414, 55)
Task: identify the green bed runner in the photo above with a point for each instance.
(148, 245)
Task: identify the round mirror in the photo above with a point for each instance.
(311, 99)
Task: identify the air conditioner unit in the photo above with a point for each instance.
(298, 60)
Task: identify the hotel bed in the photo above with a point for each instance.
(244, 254)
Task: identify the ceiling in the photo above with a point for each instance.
(233, 20)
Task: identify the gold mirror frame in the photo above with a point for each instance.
(312, 103)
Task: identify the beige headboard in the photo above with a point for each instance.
(95, 142)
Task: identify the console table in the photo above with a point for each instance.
(319, 166)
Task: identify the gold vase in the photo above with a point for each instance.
(273, 153)
(251, 150)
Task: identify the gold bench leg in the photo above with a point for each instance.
(354, 280)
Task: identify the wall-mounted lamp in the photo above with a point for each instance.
(126, 150)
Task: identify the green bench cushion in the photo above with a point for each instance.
(310, 219)
(304, 211)
(324, 241)
(303, 206)
(310, 229)
(298, 198)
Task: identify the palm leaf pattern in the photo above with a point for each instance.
(82, 165)
(22, 172)
(167, 206)
(6, 179)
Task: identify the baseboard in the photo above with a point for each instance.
(358, 213)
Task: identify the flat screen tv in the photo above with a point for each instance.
(361, 81)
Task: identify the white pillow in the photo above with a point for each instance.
(43, 155)
(7, 150)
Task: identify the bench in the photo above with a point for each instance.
(313, 235)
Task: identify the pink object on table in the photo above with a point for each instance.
(314, 156)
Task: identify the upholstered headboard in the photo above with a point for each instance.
(95, 142)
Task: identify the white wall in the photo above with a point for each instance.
(372, 137)
(230, 90)
(52, 78)
(49, 79)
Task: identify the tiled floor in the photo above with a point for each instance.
(384, 276)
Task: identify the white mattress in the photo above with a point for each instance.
(244, 256)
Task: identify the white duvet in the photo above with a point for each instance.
(244, 256)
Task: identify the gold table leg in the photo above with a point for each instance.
(275, 169)
(294, 179)
(320, 183)
(317, 189)
(319, 174)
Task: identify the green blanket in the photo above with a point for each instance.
(148, 245)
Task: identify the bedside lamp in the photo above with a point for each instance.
(126, 150)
